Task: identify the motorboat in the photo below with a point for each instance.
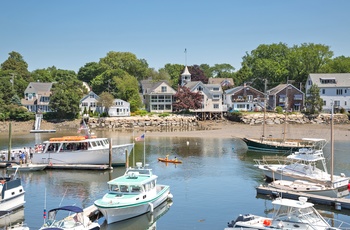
(76, 221)
(13, 220)
(289, 214)
(26, 167)
(84, 149)
(12, 193)
(132, 194)
(307, 187)
(302, 165)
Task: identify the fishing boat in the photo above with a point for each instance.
(303, 165)
(167, 160)
(26, 167)
(83, 149)
(12, 193)
(133, 194)
(290, 214)
(76, 221)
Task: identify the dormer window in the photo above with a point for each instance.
(328, 81)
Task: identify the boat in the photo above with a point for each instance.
(132, 194)
(302, 165)
(167, 160)
(307, 187)
(290, 214)
(26, 167)
(83, 149)
(12, 193)
(275, 145)
(76, 221)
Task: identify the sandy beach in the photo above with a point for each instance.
(227, 129)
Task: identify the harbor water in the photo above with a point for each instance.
(214, 184)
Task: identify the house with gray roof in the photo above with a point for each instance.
(157, 96)
(244, 98)
(37, 97)
(89, 103)
(286, 96)
(334, 88)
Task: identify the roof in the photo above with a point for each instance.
(221, 81)
(281, 87)
(186, 72)
(341, 79)
(149, 85)
(39, 87)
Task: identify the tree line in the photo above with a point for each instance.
(119, 74)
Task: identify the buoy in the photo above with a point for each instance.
(267, 222)
(150, 207)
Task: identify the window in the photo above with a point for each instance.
(298, 97)
(337, 103)
(309, 82)
(216, 97)
(324, 103)
(216, 89)
(200, 88)
(84, 104)
(323, 91)
(328, 81)
(215, 106)
(339, 91)
(164, 89)
(92, 104)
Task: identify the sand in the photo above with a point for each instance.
(227, 129)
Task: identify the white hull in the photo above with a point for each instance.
(27, 167)
(338, 181)
(129, 211)
(12, 203)
(96, 156)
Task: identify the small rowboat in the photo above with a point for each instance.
(175, 161)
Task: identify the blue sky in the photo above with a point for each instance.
(70, 33)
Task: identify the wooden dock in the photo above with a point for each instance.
(316, 199)
(79, 166)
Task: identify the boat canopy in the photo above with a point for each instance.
(69, 208)
(301, 203)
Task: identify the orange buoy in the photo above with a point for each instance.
(267, 222)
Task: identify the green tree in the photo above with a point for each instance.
(313, 101)
(127, 88)
(89, 71)
(339, 64)
(64, 101)
(174, 71)
(207, 70)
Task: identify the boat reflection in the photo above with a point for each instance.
(8, 219)
(145, 221)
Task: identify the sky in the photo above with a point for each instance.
(68, 34)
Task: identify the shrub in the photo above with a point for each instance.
(279, 109)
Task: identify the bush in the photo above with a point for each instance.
(279, 109)
(164, 115)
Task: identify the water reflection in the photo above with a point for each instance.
(11, 218)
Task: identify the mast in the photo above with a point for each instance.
(264, 121)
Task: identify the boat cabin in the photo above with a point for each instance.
(65, 144)
(135, 180)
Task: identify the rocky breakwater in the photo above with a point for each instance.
(154, 122)
(274, 118)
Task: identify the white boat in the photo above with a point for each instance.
(302, 165)
(26, 167)
(13, 220)
(75, 221)
(133, 194)
(12, 193)
(81, 150)
(307, 187)
(290, 214)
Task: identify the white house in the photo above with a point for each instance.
(334, 88)
(120, 108)
(89, 103)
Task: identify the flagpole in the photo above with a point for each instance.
(133, 149)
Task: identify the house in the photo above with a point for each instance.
(120, 108)
(37, 97)
(334, 88)
(212, 106)
(89, 103)
(286, 96)
(244, 98)
(157, 96)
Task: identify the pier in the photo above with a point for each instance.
(338, 203)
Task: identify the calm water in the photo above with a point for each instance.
(215, 183)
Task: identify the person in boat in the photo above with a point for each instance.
(13, 156)
(166, 157)
(175, 159)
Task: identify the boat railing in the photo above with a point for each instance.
(268, 160)
(336, 223)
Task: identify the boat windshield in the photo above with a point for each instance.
(126, 188)
(301, 215)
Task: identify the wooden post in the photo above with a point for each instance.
(10, 142)
(110, 154)
(126, 159)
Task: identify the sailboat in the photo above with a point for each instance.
(275, 145)
(327, 185)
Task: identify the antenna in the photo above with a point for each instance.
(185, 57)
